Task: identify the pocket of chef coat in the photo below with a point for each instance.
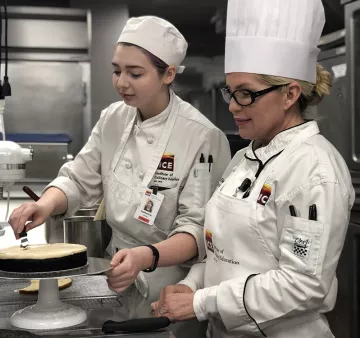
(119, 189)
(164, 220)
(202, 192)
(301, 244)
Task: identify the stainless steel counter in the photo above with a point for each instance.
(92, 294)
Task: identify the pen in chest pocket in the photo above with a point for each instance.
(292, 211)
(202, 160)
(312, 212)
(210, 161)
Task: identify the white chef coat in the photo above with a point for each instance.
(266, 269)
(115, 166)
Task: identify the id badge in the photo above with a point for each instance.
(149, 207)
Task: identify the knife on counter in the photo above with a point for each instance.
(24, 242)
(140, 325)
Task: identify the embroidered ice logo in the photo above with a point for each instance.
(301, 247)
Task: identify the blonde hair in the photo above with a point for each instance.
(312, 94)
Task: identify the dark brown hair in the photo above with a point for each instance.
(159, 64)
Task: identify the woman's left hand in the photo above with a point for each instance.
(177, 305)
(127, 263)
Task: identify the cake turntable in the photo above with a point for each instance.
(50, 312)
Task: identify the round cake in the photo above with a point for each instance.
(43, 258)
(34, 287)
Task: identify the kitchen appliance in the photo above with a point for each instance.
(52, 151)
(50, 75)
(333, 114)
(12, 163)
(12, 168)
(352, 19)
(344, 319)
(340, 123)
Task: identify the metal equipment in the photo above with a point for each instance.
(49, 312)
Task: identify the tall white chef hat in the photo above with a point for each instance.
(157, 36)
(274, 37)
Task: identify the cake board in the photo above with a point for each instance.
(49, 312)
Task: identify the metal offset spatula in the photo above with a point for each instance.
(24, 242)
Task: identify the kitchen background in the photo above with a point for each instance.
(60, 72)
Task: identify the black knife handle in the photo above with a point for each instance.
(136, 325)
(23, 233)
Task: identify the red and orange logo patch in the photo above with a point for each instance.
(167, 162)
(265, 194)
(209, 241)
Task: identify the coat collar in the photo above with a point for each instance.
(281, 141)
(158, 119)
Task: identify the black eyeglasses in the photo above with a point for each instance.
(245, 97)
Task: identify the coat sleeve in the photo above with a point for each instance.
(310, 252)
(195, 278)
(80, 180)
(200, 185)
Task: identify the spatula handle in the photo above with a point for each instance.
(31, 194)
(136, 325)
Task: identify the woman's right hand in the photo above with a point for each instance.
(34, 213)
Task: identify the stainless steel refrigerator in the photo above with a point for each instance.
(340, 123)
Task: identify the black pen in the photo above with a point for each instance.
(210, 161)
(292, 211)
(202, 158)
(312, 213)
(315, 212)
(155, 189)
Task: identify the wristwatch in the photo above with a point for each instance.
(156, 258)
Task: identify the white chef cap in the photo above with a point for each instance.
(157, 36)
(274, 37)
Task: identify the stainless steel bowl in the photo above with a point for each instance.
(95, 235)
(81, 229)
(54, 231)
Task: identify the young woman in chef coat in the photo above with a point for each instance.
(150, 146)
(275, 228)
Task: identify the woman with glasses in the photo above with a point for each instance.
(275, 227)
